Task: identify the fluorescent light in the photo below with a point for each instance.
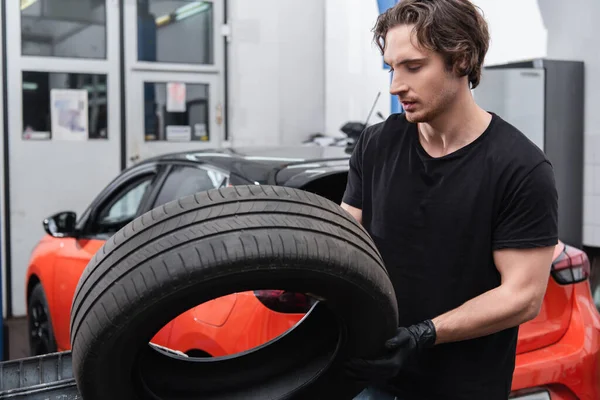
(197, 9)
(30, 86)
(183, 12)
(27, 3)
(189, 7)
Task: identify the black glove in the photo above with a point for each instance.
(401, 351)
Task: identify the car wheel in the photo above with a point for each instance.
(213, 244)
(39, 323)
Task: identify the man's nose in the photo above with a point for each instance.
(398, 86)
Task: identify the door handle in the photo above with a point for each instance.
(134, 158)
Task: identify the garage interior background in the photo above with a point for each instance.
(261, 72)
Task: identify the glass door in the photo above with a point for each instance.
(179, 112)
(174, 74)
(64, 123)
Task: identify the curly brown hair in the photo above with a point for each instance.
(453, 28)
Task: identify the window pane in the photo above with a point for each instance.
(176, 114)
(37, 115)
(185, 181)
(126, 207)
(175, 31)
(119, 213)
(63, 28)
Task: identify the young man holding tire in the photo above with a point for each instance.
(462, 207)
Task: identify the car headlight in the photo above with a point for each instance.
(532, 396)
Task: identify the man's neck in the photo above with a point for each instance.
(458, 126)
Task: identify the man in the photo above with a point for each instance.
(462, 207)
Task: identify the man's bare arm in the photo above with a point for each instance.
(518, 299)
(355, 212)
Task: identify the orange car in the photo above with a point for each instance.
(558, 352)
(211, 329)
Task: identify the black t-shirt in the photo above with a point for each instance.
(436, 222)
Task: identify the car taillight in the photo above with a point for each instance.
(285, 302)
(571, 266)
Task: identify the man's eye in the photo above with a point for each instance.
(414, 69)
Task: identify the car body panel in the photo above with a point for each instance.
(551, 323)
(572, 361)
(293, 177)
(215, 312)
(204, 337)
(72, 256)
(260, 326)
(260, 164)
(248, 325)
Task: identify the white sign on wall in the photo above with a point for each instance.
(69, 114)
(179, 133)
(175, 97)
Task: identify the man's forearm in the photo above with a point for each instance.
(491, 312)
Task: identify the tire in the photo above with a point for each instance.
(216, 243)
(39, 323)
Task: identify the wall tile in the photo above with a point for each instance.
(592, 149)
(591, 209)
(589, 179)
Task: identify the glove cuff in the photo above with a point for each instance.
(424, 334)
(429, 335)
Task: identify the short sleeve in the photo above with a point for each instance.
(353, 193)
(528, 216)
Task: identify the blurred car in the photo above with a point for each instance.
(558, 353)
(214, 328)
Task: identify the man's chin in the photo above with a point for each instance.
(413, 117)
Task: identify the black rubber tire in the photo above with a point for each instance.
(37, 299)
(216, 243)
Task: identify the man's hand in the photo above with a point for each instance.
(401, 351)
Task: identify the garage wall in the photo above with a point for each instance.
(298, 68)
(276, 76)
(517, 30)
(353, 64)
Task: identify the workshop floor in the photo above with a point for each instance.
(18, 345)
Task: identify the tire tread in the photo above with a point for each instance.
(209, 231)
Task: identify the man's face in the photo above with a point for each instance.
(423, 84)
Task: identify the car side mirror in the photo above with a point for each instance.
(61, 224)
